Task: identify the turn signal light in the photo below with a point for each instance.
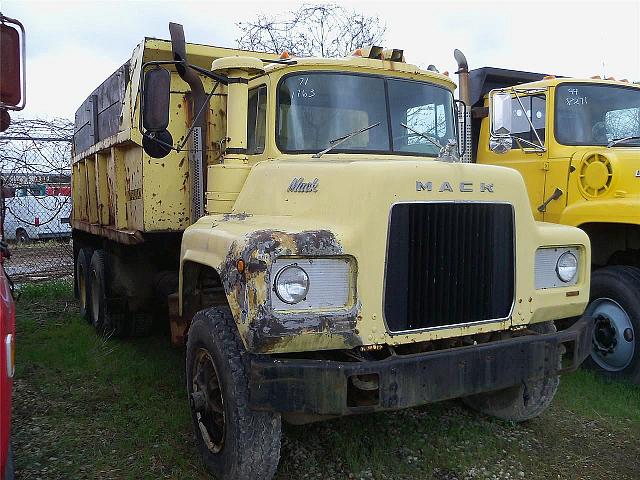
(357, 52)
(285, 55)
(596, 77)
(548, 77)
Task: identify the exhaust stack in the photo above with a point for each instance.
(197, 157)
(465, 96)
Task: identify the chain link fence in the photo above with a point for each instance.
(35, 158)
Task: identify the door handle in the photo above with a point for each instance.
(557, 193)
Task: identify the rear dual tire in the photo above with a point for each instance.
(92, 277)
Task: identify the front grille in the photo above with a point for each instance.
(448, 263)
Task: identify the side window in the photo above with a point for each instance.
(535, 108)
(256, 120)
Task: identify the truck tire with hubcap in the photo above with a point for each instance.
(83, 267)
(235, 442)
(519, 403)
(615, 308)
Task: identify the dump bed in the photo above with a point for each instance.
(118, 190)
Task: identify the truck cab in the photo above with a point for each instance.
(322, 248)
(576, 143)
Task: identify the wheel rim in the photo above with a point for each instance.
(95, 298)
(207, 402)
(613, 336)
(82, 288)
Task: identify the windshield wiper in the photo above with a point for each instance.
(616, 141)
(423, 135)
(340, 140)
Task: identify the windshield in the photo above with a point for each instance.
(588, 114)
(316, 109)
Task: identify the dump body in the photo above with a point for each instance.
(120, 192)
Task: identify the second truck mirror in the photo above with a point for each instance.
(155, 112)
(501, 114)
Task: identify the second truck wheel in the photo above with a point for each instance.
(615, 307)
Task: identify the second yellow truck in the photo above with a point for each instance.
(576, 143)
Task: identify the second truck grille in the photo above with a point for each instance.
(448, 263)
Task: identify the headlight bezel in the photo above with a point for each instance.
(546, 266)
(332, 284)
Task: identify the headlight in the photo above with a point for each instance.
(557, 267)
(567, 266)
(307, 284)
(292, 284)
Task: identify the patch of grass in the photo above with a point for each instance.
(597, 398)
(86, 407)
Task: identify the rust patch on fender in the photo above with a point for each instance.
(249, 292)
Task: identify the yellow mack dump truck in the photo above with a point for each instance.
(576, 142)
(320, 246)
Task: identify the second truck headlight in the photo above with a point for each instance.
(567, 267)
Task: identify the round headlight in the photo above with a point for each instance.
(292, 284)
(567, 266)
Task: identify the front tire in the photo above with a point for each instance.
(519, 403)
(235, 442)
(615, 307)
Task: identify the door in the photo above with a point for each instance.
(529, 161)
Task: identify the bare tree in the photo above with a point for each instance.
(321, 30)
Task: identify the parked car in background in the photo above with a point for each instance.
(30, 217)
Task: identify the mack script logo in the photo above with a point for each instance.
(465, 187)
(300, 186)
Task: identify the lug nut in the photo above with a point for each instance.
(628, 334)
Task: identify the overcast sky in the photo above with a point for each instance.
(72, 46)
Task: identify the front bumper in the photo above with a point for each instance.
(323, 387)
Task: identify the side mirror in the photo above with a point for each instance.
(155, 99)
(501, 114)
(156, 141)
(10, 85)
(12, 69)
(500, 118)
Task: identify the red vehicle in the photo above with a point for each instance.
(12, 97)
(7, 368)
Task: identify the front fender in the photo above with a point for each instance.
(221, 241)
(614, 210)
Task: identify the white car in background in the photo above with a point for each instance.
(32, 217)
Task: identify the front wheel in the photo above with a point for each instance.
(235, 442)
(521, 402)
(615, 308)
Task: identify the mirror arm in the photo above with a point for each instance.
(524, 110)
(209, 74)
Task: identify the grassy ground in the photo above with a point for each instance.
(89, 408)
